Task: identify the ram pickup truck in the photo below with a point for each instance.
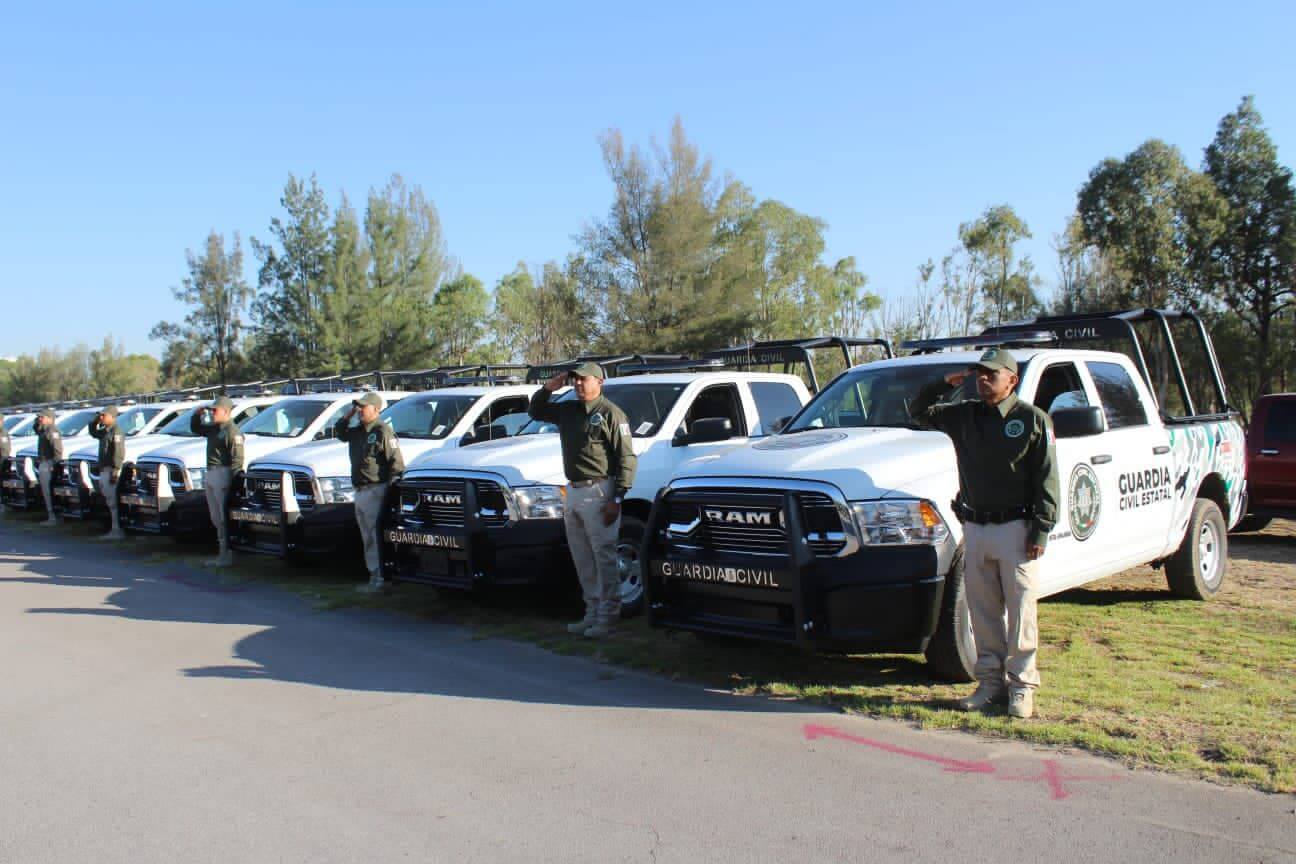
(256, 514)
(838, 534)
(1271, 461)
(19, 476)
(461, 412)
(493, 513)
(76, 480)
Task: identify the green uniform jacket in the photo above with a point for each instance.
(1006, 455)
(4, 443)
(112, 445)
(596, 439)
(375, 452)
(49, 444)
(224, 442)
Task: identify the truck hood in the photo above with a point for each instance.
(135, 447)
(70, 446)
(193, 451)
(333, 458)
(523, 461)
(862, 463)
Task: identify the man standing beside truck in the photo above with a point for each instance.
(49, 450)
(1008, 504)
(599, 461)
(112, 455)
(4, 452)
(224, 461)
(376, 461)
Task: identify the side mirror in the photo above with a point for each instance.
(704, 431)
(778, 425)
(1078, 422)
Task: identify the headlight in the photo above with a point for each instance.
(540, 502)
(197, 476)
(336, 490)
(899, 523)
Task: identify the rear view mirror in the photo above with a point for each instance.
(1078, 422)
(705, 431)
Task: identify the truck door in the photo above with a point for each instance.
(1135, 464)
(1273, 480)
(718, 400)
(1080, 540)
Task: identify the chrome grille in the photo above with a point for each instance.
(492, 508)
(750, 524)
(145, 478)
(434, 502)
(263, 490)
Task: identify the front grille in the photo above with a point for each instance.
(145, 478)
(441, 502)
(752, 523)
(263, 490)
(9, 470)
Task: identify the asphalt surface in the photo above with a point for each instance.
(151, 713)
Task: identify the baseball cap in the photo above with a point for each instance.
(589, 370)
(48, 413)
(370, 398)
(109, 410)
(223, 402)
(997, 358)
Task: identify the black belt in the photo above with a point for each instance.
(990, 517)
(585, 484)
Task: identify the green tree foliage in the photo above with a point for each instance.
(343, 331)
(1007, 285)
(459, 318)
(541, 321)
(217, 296)
(113, 371)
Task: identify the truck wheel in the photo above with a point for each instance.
(951, 653)
(632, 589)
(1252, 523)
(1196, 570)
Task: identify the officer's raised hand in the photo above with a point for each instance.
(557, 382)
(954, 379)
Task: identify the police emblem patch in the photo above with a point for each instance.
(373, 438)
(596, 419)
(1014, 428)
(1084, 502)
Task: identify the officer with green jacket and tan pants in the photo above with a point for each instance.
(224, 461)
(1008, 504)
(376, 461)
(112, 456)
(49, 450)
(599, 461)
(5, 446)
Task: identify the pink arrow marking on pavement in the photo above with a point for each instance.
(814, 732)
(1055, 779)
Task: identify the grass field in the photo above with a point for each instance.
(1129, 672)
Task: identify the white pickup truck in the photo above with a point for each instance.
(838, 534)
(462, 412)
(19, 476)
(493, 513)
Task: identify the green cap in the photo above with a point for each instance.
(108, 411)
(223, 402)
(998, 358)
(370, 398)
(47, 413)
(589, 370)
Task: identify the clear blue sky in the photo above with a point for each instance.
(127, 132)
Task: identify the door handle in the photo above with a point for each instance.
(1268, 451)
(1101, 459)
(1161, 449)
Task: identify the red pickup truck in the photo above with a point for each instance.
(1271, 461)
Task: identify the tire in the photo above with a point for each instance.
(1252, 523)
(951, 653)
(1196, 570)
(632, 588)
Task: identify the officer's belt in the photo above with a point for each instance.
(585, 484)
(990, 517)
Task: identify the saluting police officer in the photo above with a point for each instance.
(376, 462)
(599, 461)
(112, 455)
(4, 452)
(1008, 503)
(49, 449)
(224, 461)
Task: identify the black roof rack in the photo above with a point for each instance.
(1024, 339)
(791, 352)
(712, 365)
(480, 381)
(611, 363)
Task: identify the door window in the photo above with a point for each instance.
(1121, 402)
(1060, 386)
(774, 401)
(502, 418)
(1280, 425)
(720, 400)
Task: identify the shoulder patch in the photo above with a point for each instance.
(1014, 428)
(625, 428)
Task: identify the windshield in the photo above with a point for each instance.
(645, 406)
(876, 396)
(427, 415)
(76, 423)
(180, 425)
(132, 422)
(286, 419)
(17, 423)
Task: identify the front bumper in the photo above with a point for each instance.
(74, 501)
(185, 513)
(322, 528)
(873, 600)
(16, 491)
(528, 552)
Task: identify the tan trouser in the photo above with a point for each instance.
(369, 502)
(593, 549)
(108, 489)
(1002, 587)
(46, 475)
(216, 486)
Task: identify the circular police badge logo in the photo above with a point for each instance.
(1014, 428)
(1084, 502)
(800, 440)
(596, 419)
(373, 437)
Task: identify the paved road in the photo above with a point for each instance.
(150, 714)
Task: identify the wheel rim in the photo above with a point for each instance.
(628, 570)
(1208, 554)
